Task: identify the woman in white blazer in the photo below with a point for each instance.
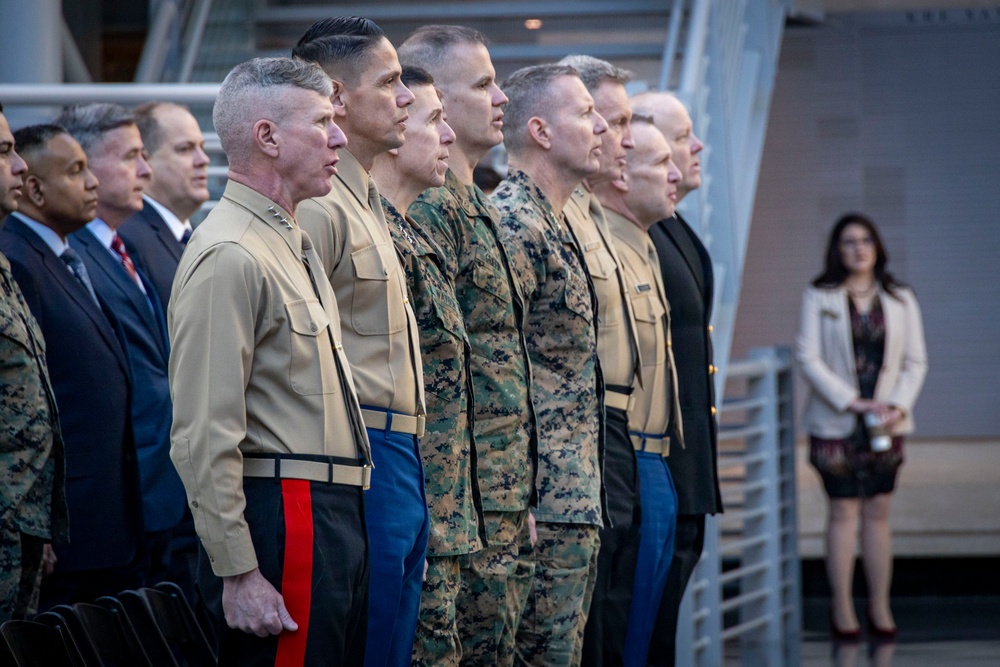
(861, 351)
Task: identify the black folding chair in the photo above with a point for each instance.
(64, 619)
(179, 625)
(34, 644)
(112, 636)
(133, 608)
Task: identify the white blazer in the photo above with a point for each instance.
(825, 352)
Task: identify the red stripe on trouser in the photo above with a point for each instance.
(296, 579)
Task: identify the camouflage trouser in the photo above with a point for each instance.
(485, 610)
(558, 597)
(437, 641)
(20, 573)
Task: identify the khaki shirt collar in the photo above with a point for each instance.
(353, 175)
(273, 215)
(628, 232)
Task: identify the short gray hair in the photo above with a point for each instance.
(429, 44)
(527, 90)
(254, 88)
(594, 71)
(88, 123)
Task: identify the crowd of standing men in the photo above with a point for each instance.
(406, 422)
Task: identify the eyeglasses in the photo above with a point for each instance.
(865, 241)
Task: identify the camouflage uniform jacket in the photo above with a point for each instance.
(447, 447)
(33, 495)
(561, 331)
(464, 227)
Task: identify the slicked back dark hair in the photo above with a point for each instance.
(416, 76)
(429, 44)
(32, 138)
(834, 271)
(340, 45)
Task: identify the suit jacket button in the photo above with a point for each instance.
(710, 329)
(714, 411)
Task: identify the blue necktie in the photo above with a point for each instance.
(78, 269)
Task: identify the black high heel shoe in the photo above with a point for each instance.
(840, 635)
(880, 634)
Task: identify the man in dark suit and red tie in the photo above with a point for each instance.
(114, 151)
(178, 186)
(88, 368)
(688, 281)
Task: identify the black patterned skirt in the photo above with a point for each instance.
(850, 469)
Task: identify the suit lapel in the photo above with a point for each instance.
(837, 303)
(682, 248)
(163, 233)
(894, 315)
(99, 257)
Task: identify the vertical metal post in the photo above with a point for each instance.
(154, 52)
(192, 41)
(670, 46)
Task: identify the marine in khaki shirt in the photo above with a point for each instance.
(267, 433)
(244, 268)
(646, 194)
(380, 331)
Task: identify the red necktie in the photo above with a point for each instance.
(119, 248)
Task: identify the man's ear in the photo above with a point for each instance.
(540, 132)
(337, 98)
(33, 190)
(265, 135)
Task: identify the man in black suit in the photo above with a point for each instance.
(155, 236)
(114, 151)
(688, 282)
(88, 368)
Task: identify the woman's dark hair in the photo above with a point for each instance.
(834, 271)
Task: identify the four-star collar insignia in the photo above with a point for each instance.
(277, 216)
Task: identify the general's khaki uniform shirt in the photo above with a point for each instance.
(380, 332)
(657, 399)
(256, 365)
(617, 344)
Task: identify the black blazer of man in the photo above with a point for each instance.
(689, 284)
(90, 378)
(144, 324)
(154, 249)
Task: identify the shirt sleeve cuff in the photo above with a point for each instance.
(232, 556)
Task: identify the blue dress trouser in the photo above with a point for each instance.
(397, 520)
(656, 551)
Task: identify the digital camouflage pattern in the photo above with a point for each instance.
(32, 496)
(557, 599)
(437, 641)
(561, 334)
(488, 608)
(447, 447)
(463, 226)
